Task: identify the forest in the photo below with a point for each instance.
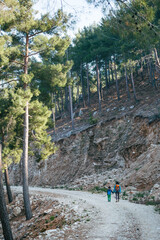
(44, 74)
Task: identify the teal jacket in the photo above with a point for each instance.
(109, 191)
(115, 189)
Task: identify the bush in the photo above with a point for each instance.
(150, 203)
(99, 189)
(140, 195)
(92, 120)
(125, 194)
(135, 199)
(52, 218)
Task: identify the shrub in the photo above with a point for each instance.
(52, 218)
(139, 195)
(125, 194)
(99, 189)
(135, 199)
(92, 120)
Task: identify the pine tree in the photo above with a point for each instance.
(28, 34)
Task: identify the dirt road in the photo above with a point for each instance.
(109, 220)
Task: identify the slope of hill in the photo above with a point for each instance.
(123, 143)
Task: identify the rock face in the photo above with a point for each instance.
(131, 144)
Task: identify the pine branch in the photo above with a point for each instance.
(32, 35)
(13, 80)
(17, 62)
(19, 138)
(36, 52)
(39, 51)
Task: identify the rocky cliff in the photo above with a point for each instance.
(123, 146)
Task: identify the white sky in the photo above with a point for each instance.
(85, 14)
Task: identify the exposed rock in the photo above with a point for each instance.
(155, 192)
(80, 112)
(130, 144)
(145, 170)
(16, 211)
(95, 113)
(49, 218)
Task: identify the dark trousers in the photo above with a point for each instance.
(117, 196)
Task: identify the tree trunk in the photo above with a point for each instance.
(134, 91)
(98, 85)
(71, 106)
(61, 92)
(53, 114)
(127, 87)
(117, 86)
(27, 206)
(112, 72)
(153, 76)
(106, 75)
(142, 70)
(72, 97)
(66, 98)
(148, 68)
(7, 232)
(77, 98)
(9, 193)
(83, 95)
(151, 73)
(88, 86)
(101, 87)
(55, 103)
(58, 104)
(109, 75)
(156, 57)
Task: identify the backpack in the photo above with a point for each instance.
(117, 188)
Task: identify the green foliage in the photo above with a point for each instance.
(88, 219)
(129, 31)
(11, 155)
(125, 194)
(19, 99)
(140, 195)
(52, 218)
(92, 120)
(157, 208)
(98, 189)
(42, 145)
(11, 111)
(153, 203)
(135, 199)
(19, 21)
(26, 78)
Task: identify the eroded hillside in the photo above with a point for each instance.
(123, 144)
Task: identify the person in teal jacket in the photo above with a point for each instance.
(117, 190)
(109, 192)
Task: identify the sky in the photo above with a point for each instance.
(84, 13)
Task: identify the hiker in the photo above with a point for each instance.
(117, 190)
(109, 191)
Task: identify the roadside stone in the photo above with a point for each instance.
(80, 112)
(16, 211)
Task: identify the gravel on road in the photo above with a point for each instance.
(107, 220)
